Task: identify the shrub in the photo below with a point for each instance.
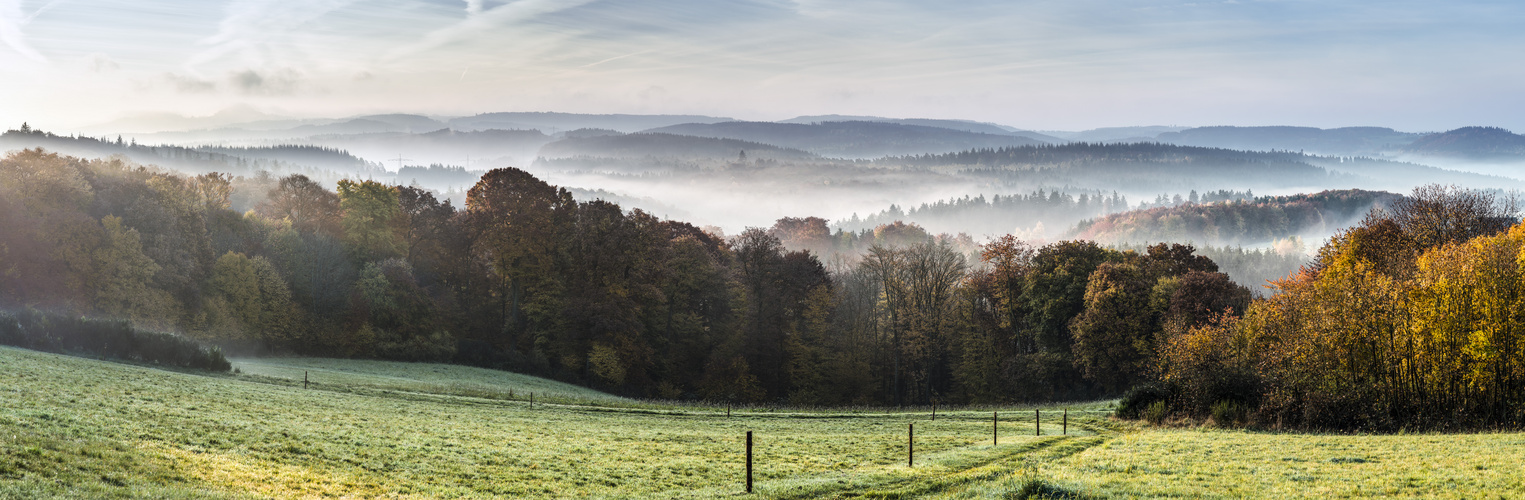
(1229, 413)
(113, 339)
(1143, 396)
(1040, 489)
(1156, 412)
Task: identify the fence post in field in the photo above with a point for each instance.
(1065, 425)
(995, 430)
(532, 399)
(934, 410)
(304, 379)
(749, 461)
(1037, 424)
(728, 410)
(910, 445)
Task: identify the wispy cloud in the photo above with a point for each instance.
(1036, 63)
(265, 83)
(482, 21)
(11, 21)
(189, 84)
(249, 28)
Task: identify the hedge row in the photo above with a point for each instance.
(114, 339)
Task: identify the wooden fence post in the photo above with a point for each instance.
(934, 410)
(1066, 423)
(532, 399)
(749, 461)
(304, 379)
(995, 433)
(910, 445)
(1037, 424)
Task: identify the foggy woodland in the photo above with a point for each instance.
(809, 262)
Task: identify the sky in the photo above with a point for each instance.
(1042, 65)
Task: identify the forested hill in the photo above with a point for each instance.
(850, 139)
(1257, 222)
(317, 156)
(1033, 214)
(1136, 167)
(661, 145)
(1471, 142)
(964, 125)
(310, 160)
(1347, 141)
(1083, 152)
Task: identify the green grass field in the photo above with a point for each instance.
(73, 427)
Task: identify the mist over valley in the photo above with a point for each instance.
(782, 249)
(949, 176)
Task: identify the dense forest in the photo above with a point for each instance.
(1259, 221)
(313, 161)
(1412, 319)
(1346, 141)
(1141, 153)
(1136, 166)
(1406, 320)
(525, 278)
(1255, 268)
(998, 214)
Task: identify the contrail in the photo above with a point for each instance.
(589, 65)
(484, 21)
(42, 9)
(11, 21)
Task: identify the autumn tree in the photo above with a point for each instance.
(515, 218)
(307, 204)
(123, 278)
(1114, 334)
(249, 303)
(369, 217)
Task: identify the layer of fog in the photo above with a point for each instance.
(734, 193)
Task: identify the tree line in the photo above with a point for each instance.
(999, 214)
(1241, 222)
(526, 278)
(1411, 319)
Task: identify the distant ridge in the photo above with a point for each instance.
(1475, 142)
(659, 145)
(550, 122)
(1115, 134)
(964, 125)
(851, 139)
(1348, 141)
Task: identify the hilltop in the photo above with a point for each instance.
(1472, 142)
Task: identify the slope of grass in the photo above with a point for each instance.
(81, 428)
(419, 377)
(257, 435)
(1231, 464)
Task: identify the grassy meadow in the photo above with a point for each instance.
(73, 427)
